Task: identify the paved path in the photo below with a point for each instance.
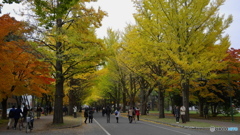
(98, 127)
(44, 124)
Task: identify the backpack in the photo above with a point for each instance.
(133, 112)
(116, 113)
(11, 114)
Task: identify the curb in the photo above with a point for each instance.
(74, 126)
(174, 125)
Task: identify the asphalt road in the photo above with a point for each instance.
(101, 127)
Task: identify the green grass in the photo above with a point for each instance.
(153, 116)
(194, 114)
(173, 121)
(191, 112)
(3, 122)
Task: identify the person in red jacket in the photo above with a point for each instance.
(137, 113)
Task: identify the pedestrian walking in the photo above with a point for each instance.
(182, 112)
(137, 113)
(108, 112)
(130, 115)
(134, 114)
(90, 115)
(75, 111)
(17, 114)
(31, 116)
(39, 111)
(25, 111)
(11, 117)
(177, 113)
(86, 115)
(117, 114)
(103, 111)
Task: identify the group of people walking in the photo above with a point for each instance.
(15, 114)
(132, 114)
(88, 114)
(180, 112)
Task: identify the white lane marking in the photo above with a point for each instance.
(102, 127)
(164, 128)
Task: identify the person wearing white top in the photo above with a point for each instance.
(75, 111)
(182, 113)
(117, 114)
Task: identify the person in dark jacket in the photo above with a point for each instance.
(108, 112)
(86, 115)
(90, 115)
(17, 115)
(25, 112)
(177, 113)
(11, 116)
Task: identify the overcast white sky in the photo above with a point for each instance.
(120, 13)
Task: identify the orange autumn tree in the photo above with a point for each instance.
(216, 92)
(234, 75)
(21, 72)
(226, 85)
(234, 66)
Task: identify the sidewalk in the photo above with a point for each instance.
(45, 123)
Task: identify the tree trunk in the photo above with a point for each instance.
(59, 94)
(33, 101)
(58, 105)
(4, 108)
(41, 103)
(185, 94)
(124, 102)
(132, 96)
(214, 109)
(144, 103)
(118, 96)
(161, 102)
(18, 100)
(200, 108)
(144, 108)
(71, 102)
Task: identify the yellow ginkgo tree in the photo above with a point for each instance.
(191, 34)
